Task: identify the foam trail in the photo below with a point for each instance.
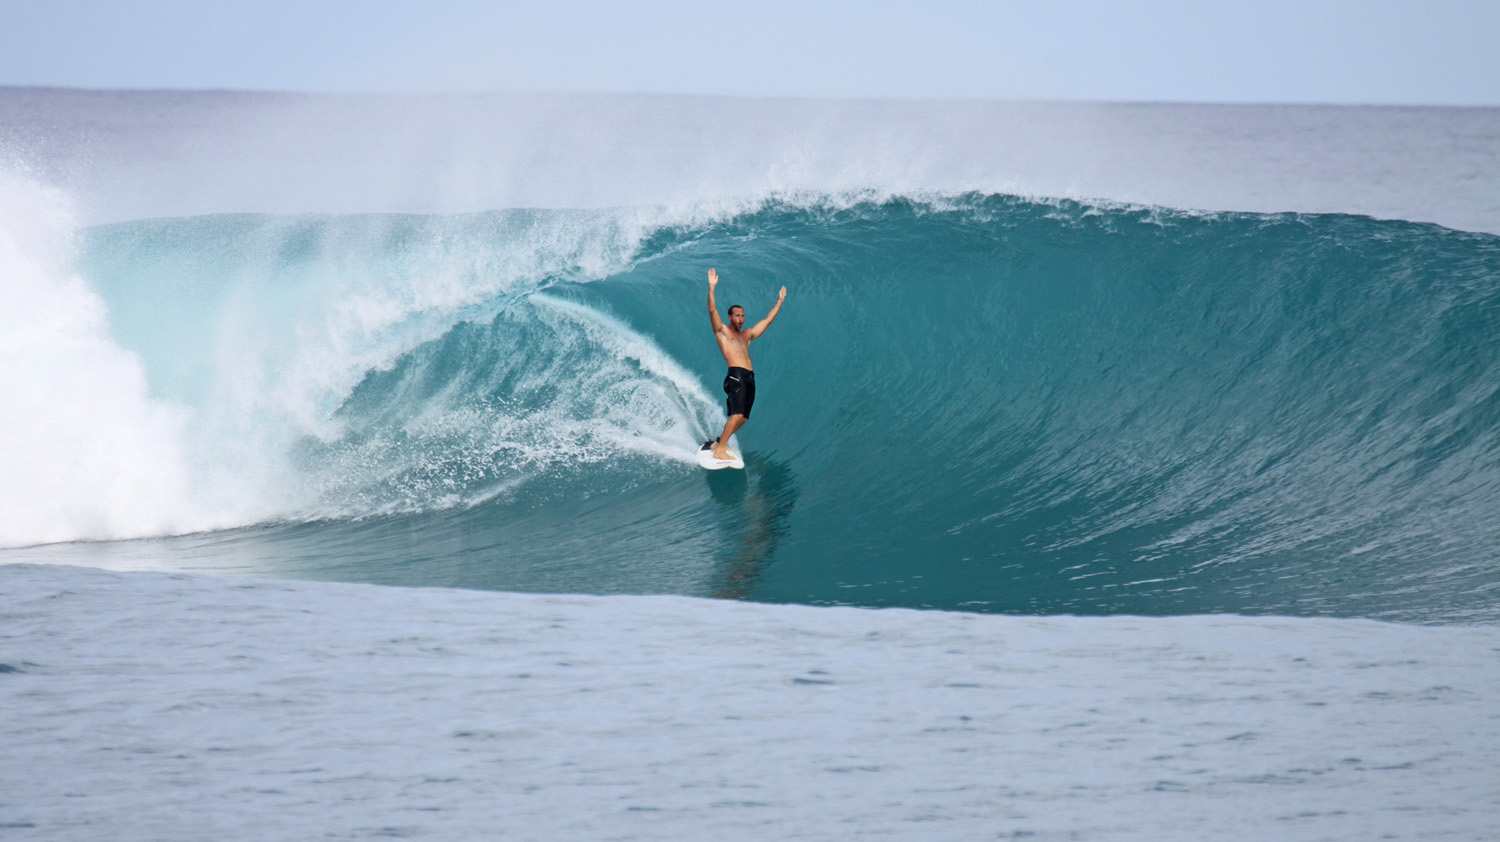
(548, 386)
(88, 453)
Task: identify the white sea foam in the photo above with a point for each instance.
(86, 453)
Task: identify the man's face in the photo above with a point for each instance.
(737, 317)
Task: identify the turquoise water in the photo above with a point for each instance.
(978, 402)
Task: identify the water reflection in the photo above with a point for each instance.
(760, 500)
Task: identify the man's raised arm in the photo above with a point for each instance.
(760, 326)
(713, 309)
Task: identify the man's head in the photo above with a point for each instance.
(737, 317)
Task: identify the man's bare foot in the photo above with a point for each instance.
(721, 452)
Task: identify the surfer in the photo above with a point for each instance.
(734, 344)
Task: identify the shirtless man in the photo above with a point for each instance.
(734, 344)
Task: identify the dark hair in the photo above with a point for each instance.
(734, 307)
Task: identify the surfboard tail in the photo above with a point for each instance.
(707, 459)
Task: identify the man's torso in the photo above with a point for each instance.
(735, 348)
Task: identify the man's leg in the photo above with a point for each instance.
(721, 447)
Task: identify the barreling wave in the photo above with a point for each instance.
(977, 402)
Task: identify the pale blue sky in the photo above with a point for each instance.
(1336, 51)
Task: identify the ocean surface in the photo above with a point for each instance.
(1213, 391)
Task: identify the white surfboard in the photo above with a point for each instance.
(707, 460)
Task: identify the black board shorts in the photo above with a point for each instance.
(739, 385)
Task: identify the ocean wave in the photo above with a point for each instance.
(978, 401)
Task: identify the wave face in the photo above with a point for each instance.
(979, 402)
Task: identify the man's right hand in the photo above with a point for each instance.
(713, 278)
